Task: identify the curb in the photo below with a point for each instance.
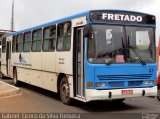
(7, 90)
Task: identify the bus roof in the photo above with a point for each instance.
(86, 13)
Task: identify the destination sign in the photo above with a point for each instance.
(121, 17)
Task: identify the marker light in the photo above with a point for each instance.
(89, 84)
(103, 84)
(148, 82)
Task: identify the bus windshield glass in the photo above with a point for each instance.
(121, 44)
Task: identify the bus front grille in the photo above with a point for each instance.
(116, 84)
(119, 84)
(124, 77)
(124, 81)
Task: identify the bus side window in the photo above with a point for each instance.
(3, 45)
(27, 42)
(36, 41)
(64, 36)
(14, 44)
(49, 38)
(19, 43)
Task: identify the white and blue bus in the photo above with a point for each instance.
(95, 55)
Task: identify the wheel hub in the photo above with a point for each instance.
(65, 91)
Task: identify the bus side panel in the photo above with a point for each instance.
(22, 65)
(35, 78)
(26, 64)
(36, 60)
(21, 74)
(49, 81)
(64, 62)
(49, 78)
(35, 73)
(48, 61)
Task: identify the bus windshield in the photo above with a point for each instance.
(121, 44)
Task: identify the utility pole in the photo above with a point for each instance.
(12, 18)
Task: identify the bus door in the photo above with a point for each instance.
(80, 63)
(8, 57)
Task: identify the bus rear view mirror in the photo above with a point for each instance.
(87, 31)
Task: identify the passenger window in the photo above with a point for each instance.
(37, 39)
(14, 44)
(3, 45)
(27, 42)
(49, 38)
(64, 37)
(19, 43)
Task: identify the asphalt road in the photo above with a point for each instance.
(37, 100)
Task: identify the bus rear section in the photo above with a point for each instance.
(121, 56)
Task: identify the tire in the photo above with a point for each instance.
(158, 93)
(65, 91)
(15, 80)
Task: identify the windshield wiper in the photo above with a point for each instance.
(139, 57)
(135, 52)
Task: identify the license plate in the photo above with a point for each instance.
(127, 92)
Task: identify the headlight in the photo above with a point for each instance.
(148, 82)
(103, 84)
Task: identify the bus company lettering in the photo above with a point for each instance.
(122, 17)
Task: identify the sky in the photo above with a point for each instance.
(29, 13)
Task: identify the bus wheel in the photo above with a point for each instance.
(65, 91)
(158, 94)
(15, 81)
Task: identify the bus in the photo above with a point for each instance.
(93, 55)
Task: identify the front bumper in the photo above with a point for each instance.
(93, 94)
